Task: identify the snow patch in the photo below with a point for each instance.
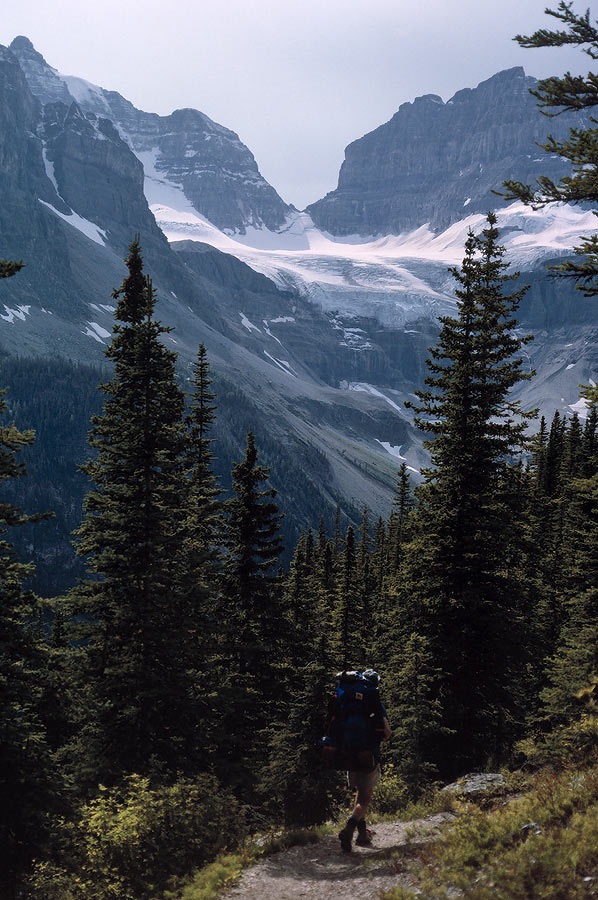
(580, 407)
(86, 93)
(97, 332)
(369, 389)
(49, 167)
(103, 307)
(89, 229)
(21, 312)
(269, 333)
(282, 364)
(394, 451)
(247, 324)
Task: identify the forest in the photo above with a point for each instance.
(172, 701)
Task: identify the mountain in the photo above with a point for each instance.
(315, 339)
(436, 162)
(217, 172)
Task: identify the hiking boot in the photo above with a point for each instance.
(364, 838)
(346, 835)
(346, 838)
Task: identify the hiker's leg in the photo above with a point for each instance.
(365, 785)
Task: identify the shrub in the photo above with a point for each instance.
(134, 841)
(543, 844)
(391, 793)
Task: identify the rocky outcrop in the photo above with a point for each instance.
(436, 162)
(21, 165)
(96, 173)
(214, 169)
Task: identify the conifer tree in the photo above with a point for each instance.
(201, 562)
(30, 785)
(9, 267)
(253, 544)
(556, 95)
(348, 624)
(256, 625)
(575, 660)
(295, 776)
(402, 505)
(201, 549)
(459, 598)
(137, 632)
(416, 712)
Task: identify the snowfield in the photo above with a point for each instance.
(394, 278)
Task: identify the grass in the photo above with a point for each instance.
(542, 844)
(209, 882)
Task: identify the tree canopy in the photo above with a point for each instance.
(556, 95)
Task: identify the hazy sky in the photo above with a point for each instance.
(297, 81)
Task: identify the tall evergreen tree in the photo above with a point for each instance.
(256, 624)
(459, 598)
(29, 784)
(137, 632)
(402, 505)
(348, 620)
(254, 545)
(575, 661)
(556, 95)
(201, 549)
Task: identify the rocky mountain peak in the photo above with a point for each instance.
(435, 162)
(44, 82)
(205, 161)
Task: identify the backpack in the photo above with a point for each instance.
(355, 724)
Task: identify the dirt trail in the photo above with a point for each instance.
(322, 872)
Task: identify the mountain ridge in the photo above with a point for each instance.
(434, 161)
(315, 339)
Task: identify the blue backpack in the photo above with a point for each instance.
(355, 724)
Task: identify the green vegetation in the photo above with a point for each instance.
(136, 841)
(171, 703)
(542, 843)
(556, 95)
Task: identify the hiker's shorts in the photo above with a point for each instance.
(364, 781)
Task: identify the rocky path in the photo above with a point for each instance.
(322, 872)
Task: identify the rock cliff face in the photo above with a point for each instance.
(20, 164)
(96, 173)
(436, 162)
(214, 169)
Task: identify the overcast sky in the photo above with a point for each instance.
(297, 81)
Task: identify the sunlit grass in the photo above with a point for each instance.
(542, 844)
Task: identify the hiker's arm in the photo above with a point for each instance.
(387, 730)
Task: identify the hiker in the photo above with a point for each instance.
(357, 725)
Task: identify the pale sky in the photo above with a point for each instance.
(297, 81)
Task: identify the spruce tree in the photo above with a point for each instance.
(256, 626)
(458, 597)
(133, 612)
(348, 622)
(203, 534)
(30, 785)
(556, 95)
(575, 661)
(253, 544)
(9, 267)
